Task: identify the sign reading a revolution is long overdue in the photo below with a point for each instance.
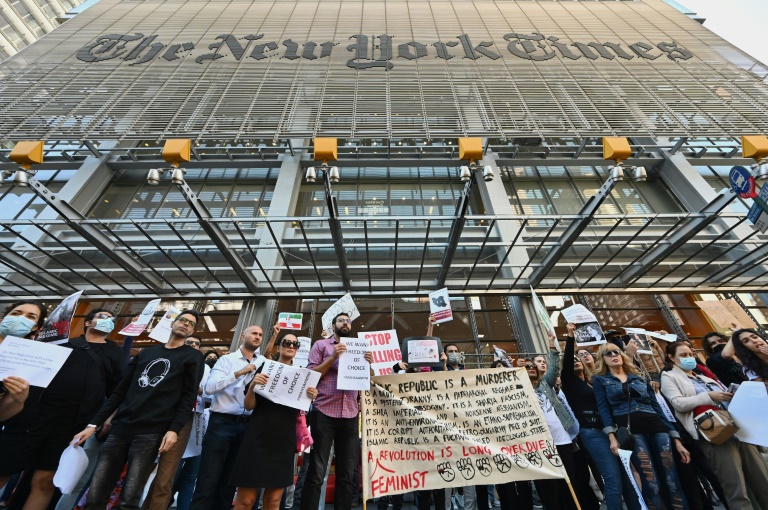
(448, 429)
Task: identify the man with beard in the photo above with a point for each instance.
(333, 421)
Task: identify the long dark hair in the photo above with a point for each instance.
(748, 358)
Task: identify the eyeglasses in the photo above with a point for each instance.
(192, 342)
(584, 355)
(187, 322)
(611, 354)
(102, 316)
(343, 321)
(291, 344)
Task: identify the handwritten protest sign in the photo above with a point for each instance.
(162, 330)
(288, 320)
(345, 304)
(354, 370)
(287, 385)
(385, 349)
(449, 429)
(302, 355)
(55, 329)
(36, 362)
(136, 328)
(725, 312)
(588, 330)
(423, 351)
(440, 306)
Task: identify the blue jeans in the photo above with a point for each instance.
(653, 456)
(220, 447)
(614, 477)
(184, 483)
(140, 451)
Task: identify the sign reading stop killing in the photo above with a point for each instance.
(449, 429)
(385, 349)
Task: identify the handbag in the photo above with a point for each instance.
(303, 436)
(715, 425)
(624, 434)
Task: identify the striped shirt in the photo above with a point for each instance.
(330, 401)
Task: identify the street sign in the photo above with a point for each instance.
(742, 182)
(758, 213)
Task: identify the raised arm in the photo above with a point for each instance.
(270, 351)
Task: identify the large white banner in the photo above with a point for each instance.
(450, 429)
(287, 385)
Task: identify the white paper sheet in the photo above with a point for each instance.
(138, 327)
(749, 409)
(36, 362)
(354, 370)
(440, 306)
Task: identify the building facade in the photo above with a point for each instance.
(244, 236)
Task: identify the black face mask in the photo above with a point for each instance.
(718, 348)
(210, 362)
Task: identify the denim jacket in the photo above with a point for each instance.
(547, 385)
(612, 401)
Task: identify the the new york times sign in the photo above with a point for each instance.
(367, 52)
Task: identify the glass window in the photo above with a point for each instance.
(20, 202)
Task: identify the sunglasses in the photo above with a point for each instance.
(291, 344)
(186, 321)
(102, 316)
(611, 354)
(192, 342)
(528, 366)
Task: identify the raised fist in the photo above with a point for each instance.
(484, 466)
(502, 462)
(465, 468)
(534, 458)
(520, 461)
(446, 471)
(550, 452)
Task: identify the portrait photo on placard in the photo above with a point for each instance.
(589, 333)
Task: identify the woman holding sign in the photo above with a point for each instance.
(268, 447)
(628, 407)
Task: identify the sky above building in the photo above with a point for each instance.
(740, 22)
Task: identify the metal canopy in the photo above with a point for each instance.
(385, 255)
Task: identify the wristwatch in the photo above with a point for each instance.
(91, 426)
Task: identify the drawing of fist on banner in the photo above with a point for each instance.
(447, 429)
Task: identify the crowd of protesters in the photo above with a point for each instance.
(193, 420)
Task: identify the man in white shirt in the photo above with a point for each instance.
(226, 386)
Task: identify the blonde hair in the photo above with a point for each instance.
(602, 369)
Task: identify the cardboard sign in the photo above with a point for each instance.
(423, 351)
(354, 369)
(451, 429)
(136, 328)
(55, 329)
(302, 355)
(162, 330)
(36, 362)
(287, 385)
(287, 320)
(440, 306)
(346, 305)
(725, 312)
(385, 349)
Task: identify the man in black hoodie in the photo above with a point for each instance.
(153, 401)
(34, 439)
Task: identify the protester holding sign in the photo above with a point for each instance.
(627, 401)
(270, 440)
(333, 420)
(34, 440)
(153, 402)
(22, 319)
(576, 385)
(737, 465)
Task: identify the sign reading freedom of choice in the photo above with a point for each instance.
(449, 429)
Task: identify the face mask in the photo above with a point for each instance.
(104, 325)
(454, 358)
(718, 348)
(211, 362)
(688, 363)
(16, 325)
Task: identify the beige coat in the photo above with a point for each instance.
(681, 393)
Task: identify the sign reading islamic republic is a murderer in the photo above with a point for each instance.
(369, 52)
